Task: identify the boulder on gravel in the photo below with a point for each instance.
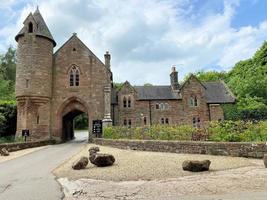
(93, 150)
(196, 166)
(81, 163)
(4, 152)
(102, 160)
(265, 160)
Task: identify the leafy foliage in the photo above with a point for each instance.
(238, 131)
(248, 81)
(7, 75)
(155, 132)
(81, 122)
(8, 118)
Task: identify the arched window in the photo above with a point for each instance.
(124, 102)
(162, 120)
(30, 28)
(129, 102)
(74, 76)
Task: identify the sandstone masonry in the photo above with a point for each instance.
(53, 88)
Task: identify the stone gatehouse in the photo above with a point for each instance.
(52, 88)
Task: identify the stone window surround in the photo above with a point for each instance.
(193, 101)
(127, 102)
(196, 122)
(164, 120)
(127, 122)
(162, 106)
(74, 76)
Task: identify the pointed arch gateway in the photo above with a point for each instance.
(70, 109)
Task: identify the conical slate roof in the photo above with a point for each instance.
(41, 29)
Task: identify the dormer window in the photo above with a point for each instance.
(74, 76)
(30, 28)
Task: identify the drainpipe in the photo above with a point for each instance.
(150, 113)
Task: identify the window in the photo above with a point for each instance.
(162, 106)
(193, 101)
(27, 83)
(124, 102)
(37, 119)
(196, 122)
(30, 28)
(129, 102)
(145, 121)
(127, 122)
(166, 121)
(166, 106)
(74, 76)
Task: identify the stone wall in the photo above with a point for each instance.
(235, 149)
(25, 145)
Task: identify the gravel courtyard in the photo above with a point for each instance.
(157, 176)
(140, 165)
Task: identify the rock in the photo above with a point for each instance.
(80, 164)
(265, 160)
(102, 160)
(4, 152)
(93, 150)
(196, 166)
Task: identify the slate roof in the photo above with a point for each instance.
(155, 92)
(42, 29)
(218, 92)
(215, 92)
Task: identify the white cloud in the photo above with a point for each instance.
(146, 37)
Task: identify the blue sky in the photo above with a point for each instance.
(147, 37)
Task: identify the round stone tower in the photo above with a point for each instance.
(34, 76)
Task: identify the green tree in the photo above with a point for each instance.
(7, 75)
(8, 65)
(211, 75)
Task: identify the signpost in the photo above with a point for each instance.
(98, 128)
(25, 134)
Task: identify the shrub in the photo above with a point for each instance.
(238, 131)
(155, 132)
(8, 118)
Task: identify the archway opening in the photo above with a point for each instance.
(69, 125)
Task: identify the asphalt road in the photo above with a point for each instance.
(29, 177)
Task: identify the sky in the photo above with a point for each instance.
(147, 37)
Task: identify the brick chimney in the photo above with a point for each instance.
(107, 59)
(174, 78)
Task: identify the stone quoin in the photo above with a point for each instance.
(52, 88)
